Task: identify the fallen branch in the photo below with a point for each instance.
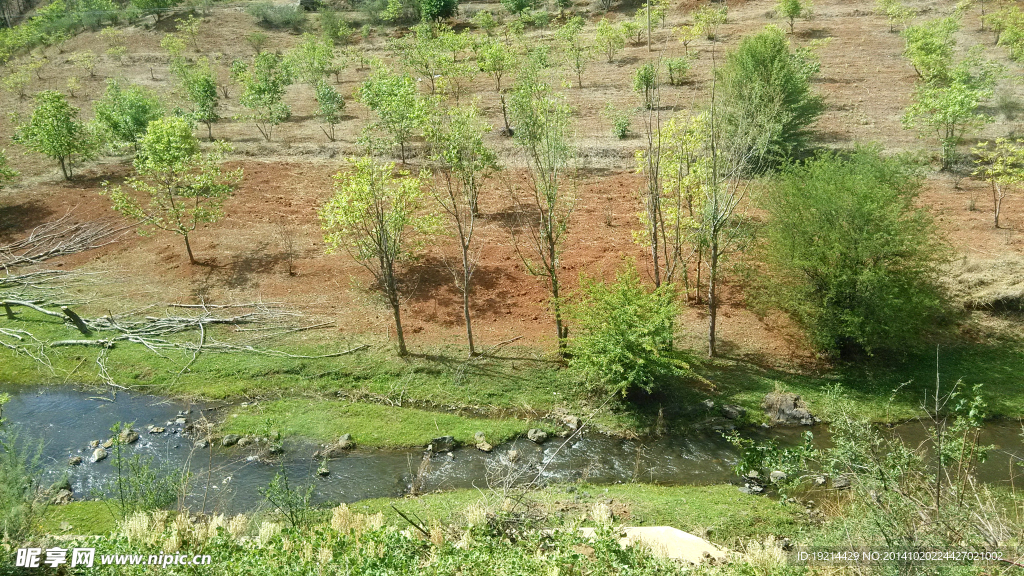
(39, 309)
(59, 238)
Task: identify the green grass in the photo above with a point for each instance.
(371, 425)
(82, 518)
(720, 512)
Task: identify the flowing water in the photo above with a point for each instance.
(229, 479)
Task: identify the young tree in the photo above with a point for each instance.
(176, 186)
(7, 174)
(852, 258)
(124, 112)
(542, 121)
(56, 132)
(577, 53)
(199, 88)
(463, 163)
(373, 216)
(895, 12)
(610, 38)
(791, 10)
(766, 98)
(263, 86)
(398, 105)
(930, 47)
(645, 83)
(423, 53)
(311, 59)
(708, 19)
(331, 104)
(497, 60)
(1003, 167)
(434, 10)
(624, 329)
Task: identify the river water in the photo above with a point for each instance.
(229, 479)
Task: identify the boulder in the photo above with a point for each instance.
(733, 412)
(572, 422)
(108, 444)
(484, 447)
(787, 408)
(230, 440)
(202, 444)
(841, 482)
(346, 442)
(668, 542)
(99, 454)
(442, 444)
(128, 436)
(62, 497)
(709, 404)
(479, 437)
(537, 435)
(75, 461)
(157, 429)
(777, 476)
(94, 444)
(180, 421)
(336, 450)
(322, 471)
(244, 441)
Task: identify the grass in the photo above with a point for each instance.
(719, 512)
(372, 425)
(84, 517)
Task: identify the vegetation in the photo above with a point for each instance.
(853, 260)
(263, 85)
(7, 174)
(645, 83)
(183, 187)
(124, 113)
(138, 485)
(791, 10)
(1003, 167)
(393, 97)
(56, 132)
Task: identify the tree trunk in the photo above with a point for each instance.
(395, 309)
(209, 130)
(65, 168)
(997, 201)
(712, 298)
(188, 247)
(466, 276)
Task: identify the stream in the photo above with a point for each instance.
(66, 420)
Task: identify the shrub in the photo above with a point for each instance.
(124, 112)
(138, 485)
(645, 83)
(20, 469)
(677, 69)
(334, 28)
(55, 131)
(624, 330)
(432, 10)
(278, 17)
(852, 259)
(518, 7)
(620, 120)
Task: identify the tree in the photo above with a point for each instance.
(56, 132)
(433, 10)
(852, 258)
(577, 53)
(398, 106)
(645, 83)
(610, 38)
(767, 102)
(176, 186)
(311, 59)
(708, 19)
(263, 86)
(948, 106)
(623, 332)
(157, 8)
(124, 112)
(372, 216)
(331, 104)
(542, 121)
(791, 10)
(930, 47)
(463, 163)
(1003, 167)
(497, 60)
(895, 12)
(199, 87)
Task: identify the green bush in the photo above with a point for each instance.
(677, 69)
(852, 259)
(125, 111)
(623, 330)
(278, 17)
(138, 485)
(20, 469)
(518, 7)
(432, 10)
(335, 28)
(645, 83)
(620, 119)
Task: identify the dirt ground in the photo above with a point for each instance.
(269, 245)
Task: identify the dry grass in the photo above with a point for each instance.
(995, 284)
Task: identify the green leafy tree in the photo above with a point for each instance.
(374, 215)
(263, 86)
(519, 7)
(124, 112)
(157, 8)
(708, 19)
(578, 53)
(331, 104)
(767, 102)
(542, 127)
(497, 60)
(930, 47)
(793, 9)
(895, 12)
(645, 83)
(463, 163)
(949, 108)
(393, 97)
(433, 10)
(176, 186)
(311, 59)
(423, 52)
(1002, 166)
(198, 86)
(609, 38)
(56, 132)
(852, 258)
(623, 332)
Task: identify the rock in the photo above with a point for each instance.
(733, 412)
(709, 404)
(201, 444)
(230, 440)
(746, 490)
(128, 436)
(94, 444)
(108, 444)
(572, 422)
(752, 474)
(346, 442)
(841, 482)
(62, 484)
(99, 454)
(157, 429)
(757, 489)
(75, 461)
(484, 447)
(786, 408)
(323, 471)
(336, 450)
(62, 497)
(244, 441)
(513, 455)
(537, 435)
(275, 449)
(820, 480)
(667, 542)
(479, 437)
(777, 476)
(180, 421)
(442, 444)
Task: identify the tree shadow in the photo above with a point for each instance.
(17, 219)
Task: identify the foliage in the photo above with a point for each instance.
(486, 21)
(792, 9)
(645, 83)
(620, 120)
(519, 7)
(948, 104)
(853, 260)
(124, 112)
(677, 69)
(7, 174)
(895, 12)
(21, 508)
(278, 16)
(767, 102)
(138, 485)
(157, 8)
(256, 40)
(623, 330)
(263, 86)
(373, 216)
(55, 131)
(310, 60)
(1003, 167)
(199, 88)
(1008, 24)
(433, 10)
(708, 19)
(768, 456)
(496, 59)
(609, 38)
(331, 104)
(292, 503)
(183, 187)
(930, 47)
(578, 53)
(189, 27)
(395, 100)
(17, 80)
(334, 28)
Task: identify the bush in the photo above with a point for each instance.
(432, 10)
(125, 111)
(20, 469)
(768, 105)
(278, 17)
(620, 120)
(335, 28)
(624, 330)
(138, 484)
(677, 69)
(853, 260)
(645, 83)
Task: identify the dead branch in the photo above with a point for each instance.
(59, 238)
(33, 306)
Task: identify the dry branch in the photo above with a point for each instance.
(59, 238)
